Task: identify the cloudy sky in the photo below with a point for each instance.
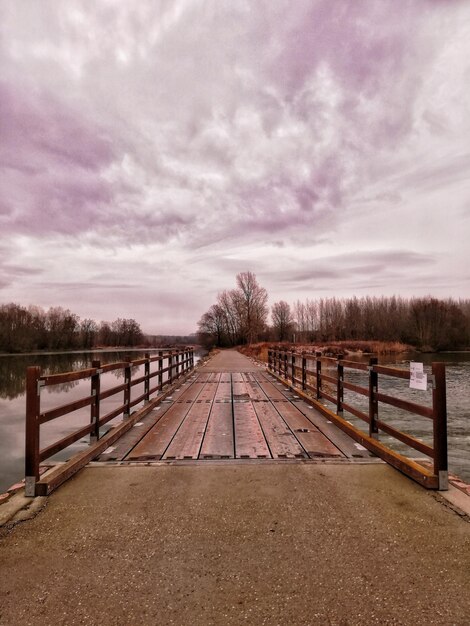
(150, 151)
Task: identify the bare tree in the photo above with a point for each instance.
(254, 308)
(282, 320)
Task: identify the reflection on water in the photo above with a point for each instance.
(12, 404)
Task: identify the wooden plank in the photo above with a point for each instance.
(341, 440)
(187, 441)
(132, 437)
(272, 390)
(314, 442)
(281, 441)
(154, 444)
(224, 390)
(249, 438)
(218, 440)
(239, 390)
(208, 392)
(253, 389)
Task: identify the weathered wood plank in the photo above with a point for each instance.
(218, 440)
(131, 438)
(312, 440)
(272, 390)
(253, 389)
(341, 440)
(187, 441)
(281, 441)
(250, 442)
(154, 444)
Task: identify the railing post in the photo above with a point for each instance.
(292, 365)
(147, 378)
(339, 386)
(269, 360)
(170, 367)
(95, 405)
(285, 364)
(373, 403)
(177, 363)
(439, 407)
(318, 373)
(160, 368)
(127, 390)
(33, 407)
(304, 371)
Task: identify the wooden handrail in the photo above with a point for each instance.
(180, 361)
(277, 364)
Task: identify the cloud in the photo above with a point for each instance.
(314, 143)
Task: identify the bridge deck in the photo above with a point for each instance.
(233, 415)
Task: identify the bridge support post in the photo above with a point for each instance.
(373, 403)
(292, 366)
(304, 371)
(170, 367)
(95, 405)
(439, 406)
(147, 378)
(160, 368)
(33, 408)
(318, 373)
(127, 391)
(339, 386)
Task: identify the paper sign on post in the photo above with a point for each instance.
(418, 379)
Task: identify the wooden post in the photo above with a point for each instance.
(160, 367)
(339, 386)
(439, 406)
(269, 360)
(373, 403)
(177, 363)
(292, 365)
(285, 364)
(304, 371)
(170, 367)
(95, 405)
(318, 373)
(33, 407)
(127, 391)
(147, 378)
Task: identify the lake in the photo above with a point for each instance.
(12, 404)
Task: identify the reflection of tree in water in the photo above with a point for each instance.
(13, 369)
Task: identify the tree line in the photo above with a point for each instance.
(240, 316)
(33, 328)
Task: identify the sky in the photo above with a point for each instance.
(151, 151)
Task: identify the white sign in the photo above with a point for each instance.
(418, 379)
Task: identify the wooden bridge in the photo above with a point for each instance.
(231, 409)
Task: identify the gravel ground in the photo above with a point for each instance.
(249, 544)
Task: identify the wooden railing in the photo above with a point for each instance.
(177, 361)
(304, 372)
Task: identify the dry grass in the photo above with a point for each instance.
(332, 348)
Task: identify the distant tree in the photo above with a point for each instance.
(253, 304)
(282, 320)
(88, 333)
(212, 327)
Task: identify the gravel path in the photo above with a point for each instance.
(250, 544)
